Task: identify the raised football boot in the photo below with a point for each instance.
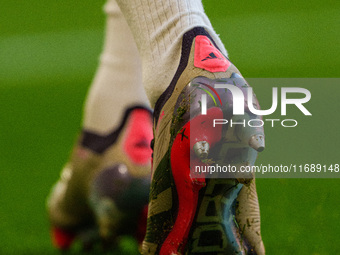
(204, 120)
(103, 191)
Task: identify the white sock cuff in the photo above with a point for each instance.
(118, 81)
(158, 27)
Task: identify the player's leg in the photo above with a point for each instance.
(179, 51)
(114, 146)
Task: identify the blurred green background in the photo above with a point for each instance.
(48, 55)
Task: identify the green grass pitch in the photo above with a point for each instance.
(48, 55)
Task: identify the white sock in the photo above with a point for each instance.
(158, 27)
(118, 81)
